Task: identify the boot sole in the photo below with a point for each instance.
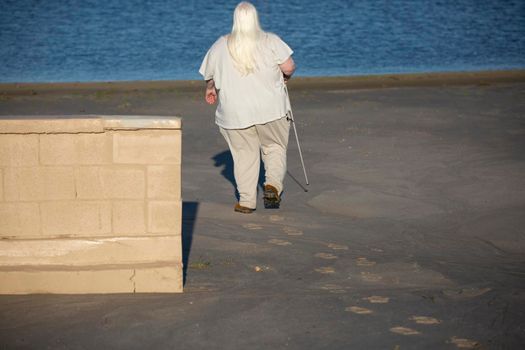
(244, 211)
(271, 200)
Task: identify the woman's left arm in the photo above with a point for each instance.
(288, 68)
(211, 92)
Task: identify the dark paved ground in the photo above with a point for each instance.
(412, 234)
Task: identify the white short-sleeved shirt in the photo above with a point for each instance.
(256, 98)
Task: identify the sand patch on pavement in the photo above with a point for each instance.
(466, 293)
(360, 202)
(405, 275)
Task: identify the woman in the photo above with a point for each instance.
(247, 71)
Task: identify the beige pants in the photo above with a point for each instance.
(247, 146)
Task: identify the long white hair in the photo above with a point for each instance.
(244, 38)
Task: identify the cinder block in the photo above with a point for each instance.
(18, 150)
(164, 182)
(110, 182)
(19, 220)
(165, 278)
(1, 185)
(147, 147)
(129, 217)
(75, 149)
(39, 183)
(79, 252)
(76, 218)
(88, 183)
(164, 217)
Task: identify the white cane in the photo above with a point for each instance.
(296, 137)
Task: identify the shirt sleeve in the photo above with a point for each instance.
(207, 66)
(280, 49)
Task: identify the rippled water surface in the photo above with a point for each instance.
(101, 40)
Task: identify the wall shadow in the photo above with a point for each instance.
(189, 216)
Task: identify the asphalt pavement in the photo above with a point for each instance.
(411, 234)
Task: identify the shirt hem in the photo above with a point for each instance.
(249, 125)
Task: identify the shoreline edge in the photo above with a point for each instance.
(298, 83)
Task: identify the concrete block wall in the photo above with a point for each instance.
(90, 205)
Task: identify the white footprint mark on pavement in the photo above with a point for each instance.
(279, 242)
(425, 320)
(404, 331)
(376, 299)
(336, 246)
(464, 343)
(276, 218)
(334, 288)
(327, 256)
(370, 277)
(359, 310)
(364, 262)
(292, 231)
(326, 269)
(252, 226)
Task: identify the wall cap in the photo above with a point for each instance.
(74, 124)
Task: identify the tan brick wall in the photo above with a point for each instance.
(111, 182)
(39, 183)
(77, 182)
(18, 150)
(164, 181)
(121, 279)
(164, 216)
(81, 251)
(76, 218)
(1, 185)
(68, 149)
(19, 220)
(147, 147)
(129, 217)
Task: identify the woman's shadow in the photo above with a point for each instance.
(225, 160)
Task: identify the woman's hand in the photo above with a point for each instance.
(211, 92)
(211, 95)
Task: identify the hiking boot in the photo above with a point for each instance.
(271, 197)
(245, 210)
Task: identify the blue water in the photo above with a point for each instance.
(109, 40)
